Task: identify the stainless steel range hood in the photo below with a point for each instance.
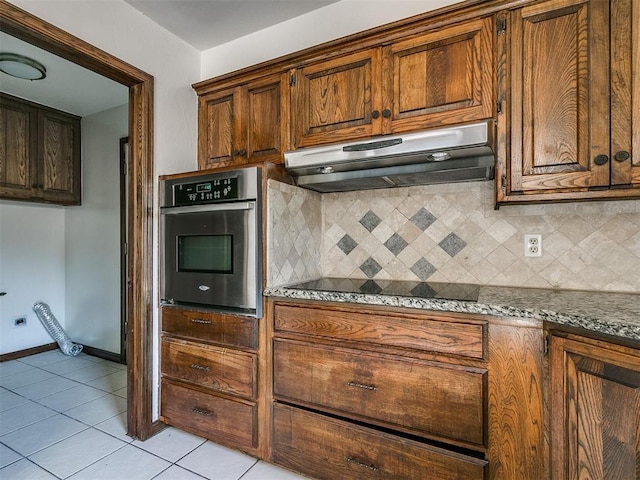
(444, 155)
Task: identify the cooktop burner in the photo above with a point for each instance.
(428, 290)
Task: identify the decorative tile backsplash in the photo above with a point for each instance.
(451, 233)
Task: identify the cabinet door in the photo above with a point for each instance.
(18, 129)
(59, 173)
(337, 100)
(266, 119)
(560, 96)
(440, 78)
(220, 133)
(625, 92)
(595, 408)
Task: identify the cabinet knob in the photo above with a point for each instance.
(375, 114)
(238, 153)
(621, 156)
(601, 159)
(386, 113)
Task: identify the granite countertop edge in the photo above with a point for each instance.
(496, 301)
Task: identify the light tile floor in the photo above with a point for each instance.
(65, 417)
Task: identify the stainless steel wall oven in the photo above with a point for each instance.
(211, 242)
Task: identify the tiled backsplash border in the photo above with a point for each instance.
(451, 233)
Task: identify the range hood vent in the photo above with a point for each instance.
(446, 155)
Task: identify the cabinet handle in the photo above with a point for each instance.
(201, 411)
(357, 462)
(201, 321)
(361, 385)
(601, 159)
(386, 113)
(195, 366)
(621, 156)
(375, 114)
(238, 153)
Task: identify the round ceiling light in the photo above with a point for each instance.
(20, 66)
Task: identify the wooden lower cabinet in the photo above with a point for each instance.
(329, 448)
(595, 405)
(224, 420)
(209, 368)
(390, 393)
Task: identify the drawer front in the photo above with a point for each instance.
(418, 332)
(326, 448)
(234, 330)
(222, 369)
(219, 419)
(425, 398)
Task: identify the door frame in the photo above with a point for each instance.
(42, 34)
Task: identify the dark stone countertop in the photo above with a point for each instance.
(616, 314)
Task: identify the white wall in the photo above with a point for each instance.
(92, 236)
(31, 270)
(329, 23)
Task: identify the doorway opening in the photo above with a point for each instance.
(139, 261)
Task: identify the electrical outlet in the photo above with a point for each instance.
(533, 245)
(20, 321)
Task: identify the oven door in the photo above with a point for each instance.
(211, 256)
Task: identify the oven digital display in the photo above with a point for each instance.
(205, 253)
(213, 191)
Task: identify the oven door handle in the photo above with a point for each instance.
(219, 207)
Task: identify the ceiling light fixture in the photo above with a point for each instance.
(20, 66)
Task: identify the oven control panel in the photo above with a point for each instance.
(211, 191)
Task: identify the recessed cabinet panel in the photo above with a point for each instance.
(17, 149)
(441, 78)
(335, 99)
(596, 404)
(266, 132)
(218, 133)
(60, 173)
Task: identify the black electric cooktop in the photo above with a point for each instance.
(427, 290)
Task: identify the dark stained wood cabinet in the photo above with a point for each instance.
(209, 368)
(244, 124)
(39, 153)
(439, 78)
(378, 392)
(572, 131)
(595, 409)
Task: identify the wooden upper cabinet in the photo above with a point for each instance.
(60, 171)
(244, 124)
(595, 408)
(337, 99)
(18, 130)
(40, 156)
(438, 78)
(574, 102)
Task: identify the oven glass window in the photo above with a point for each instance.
(205, 253)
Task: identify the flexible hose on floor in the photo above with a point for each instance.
(52, 326)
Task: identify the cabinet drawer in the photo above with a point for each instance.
(425, 398)
(232, 423)
(222, 369)
(418, 332)
(327, 448)
(216, 327)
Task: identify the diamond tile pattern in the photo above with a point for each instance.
(370, 221)
(370, 267)
(450, 233)
(452, 244)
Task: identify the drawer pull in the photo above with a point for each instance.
(361, 385)
(199, 367)
(201, 411)
(355, 461)
(201, 321)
